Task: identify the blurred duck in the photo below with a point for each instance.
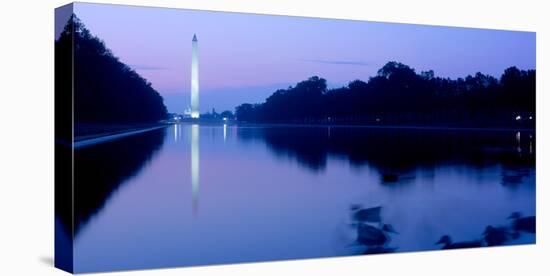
(448, 244)
(522, 224)
(372, 236)
(496, 235)
(390, 178)
(366, 214)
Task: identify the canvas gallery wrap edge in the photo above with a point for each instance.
(187, 137)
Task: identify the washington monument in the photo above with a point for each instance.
(195, 78)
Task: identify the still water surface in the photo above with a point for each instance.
(198, 195)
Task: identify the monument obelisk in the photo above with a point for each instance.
(195, 78)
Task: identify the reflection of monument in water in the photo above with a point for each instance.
(195, 78)
(195, 114)
(195, 166)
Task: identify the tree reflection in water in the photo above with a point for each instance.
(398, 153)
(99, 170)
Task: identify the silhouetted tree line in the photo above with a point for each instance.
(105, 89)
(398, 95)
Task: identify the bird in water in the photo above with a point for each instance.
(366, 214)
(522, 224)
(496, 235)
(373, 236)
(448, 243)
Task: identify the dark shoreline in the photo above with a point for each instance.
(106, 137)
(88, 131)
(419, 127)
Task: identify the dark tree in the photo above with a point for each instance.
(227, 114)
(247, 112)
(105, 89)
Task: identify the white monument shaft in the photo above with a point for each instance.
(195, 79)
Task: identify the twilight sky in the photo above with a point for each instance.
(246, 57)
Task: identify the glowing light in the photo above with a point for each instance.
(518, 118)
(224, 132)
(518, 139)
